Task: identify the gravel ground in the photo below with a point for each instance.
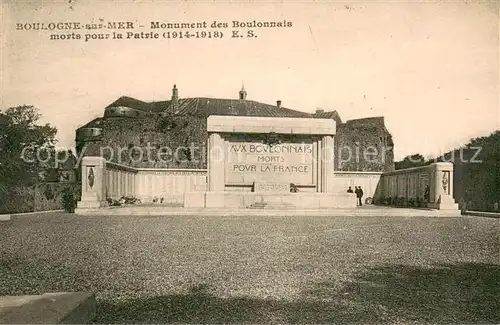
(261, 269)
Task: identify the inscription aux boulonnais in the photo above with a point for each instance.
(276, 149)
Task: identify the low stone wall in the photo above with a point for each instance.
(367, 180)
(169, 184)
(152, 184)
(429, 186)
(120, 180)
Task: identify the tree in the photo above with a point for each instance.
(410, 161)
(21, 137)
(485, 167)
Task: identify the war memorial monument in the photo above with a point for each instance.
(239, 153)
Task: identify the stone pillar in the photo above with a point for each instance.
(111, 183)
(435, 185)
(442, 186)
(134, 188)
(396, 186)
(319, 165)
(216, 163)
(214, 198)
(327, 160)
(315, 164)
(93, 183)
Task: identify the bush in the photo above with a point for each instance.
(131, 200)
(16, 199)
(113, 202)
(68, 199)
(123, 200)
(381, 201)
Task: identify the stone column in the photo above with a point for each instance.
(396, 186)
(319, 166)
(315, 164)
(216, 163)
(442, 187)
(435, 185)
(93, 183)
(327, 172)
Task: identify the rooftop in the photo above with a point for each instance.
(206, 106)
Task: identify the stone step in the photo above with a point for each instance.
(272, 205)
(365, 210)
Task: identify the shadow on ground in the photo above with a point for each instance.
(455, 293)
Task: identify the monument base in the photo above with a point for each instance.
(91, 201)
(91, 204)
(445, 202)
(194, 200)
(214, 199)
(252, 199)
(272, 205)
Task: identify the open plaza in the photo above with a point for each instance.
(260, 269)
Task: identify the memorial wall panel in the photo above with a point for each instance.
(248, 162)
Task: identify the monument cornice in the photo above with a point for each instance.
(259, 125)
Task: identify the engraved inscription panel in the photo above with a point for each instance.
(248, 162)
(271, 187)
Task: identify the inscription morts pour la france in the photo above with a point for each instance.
(248, 162)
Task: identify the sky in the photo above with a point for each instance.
(430, 68)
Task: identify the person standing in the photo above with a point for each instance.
(349, 190)
(360, 196)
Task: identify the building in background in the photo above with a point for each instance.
(128, 123)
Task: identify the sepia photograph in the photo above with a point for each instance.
(257, 162)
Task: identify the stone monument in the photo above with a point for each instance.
(93, 183)
(257, 161)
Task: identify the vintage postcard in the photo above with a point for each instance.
(249, 161)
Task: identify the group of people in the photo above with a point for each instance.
(359, 193)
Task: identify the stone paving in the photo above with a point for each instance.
(260, 269)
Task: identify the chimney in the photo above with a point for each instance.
(175, 94)
(319, 110)
(278, 103)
